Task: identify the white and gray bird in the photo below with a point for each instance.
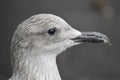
(38, 40)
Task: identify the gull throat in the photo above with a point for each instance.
(43, 67)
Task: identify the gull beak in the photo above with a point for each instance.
(92, 37)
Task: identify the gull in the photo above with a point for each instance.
(38, 40)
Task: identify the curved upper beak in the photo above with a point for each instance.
(92, 37)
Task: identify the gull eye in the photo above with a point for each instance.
(52, 31)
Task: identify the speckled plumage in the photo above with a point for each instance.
(34, 50)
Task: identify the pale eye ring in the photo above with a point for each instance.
(52, 31)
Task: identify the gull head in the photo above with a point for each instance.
(38, 40)
(49, 34)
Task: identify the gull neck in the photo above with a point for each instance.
(42, 67)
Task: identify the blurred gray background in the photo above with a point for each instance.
(83, 62)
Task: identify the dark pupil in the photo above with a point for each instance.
(52, 31)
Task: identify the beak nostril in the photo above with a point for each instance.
(90, 35)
